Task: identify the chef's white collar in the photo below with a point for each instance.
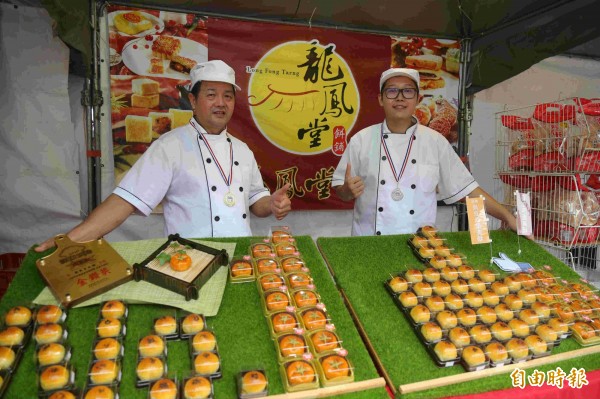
(210, 137)
(409, 131)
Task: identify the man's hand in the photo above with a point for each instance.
(280, 203)
(49, 243)
(353, 187)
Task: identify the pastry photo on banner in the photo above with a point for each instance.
(437, 61)
(151, 55)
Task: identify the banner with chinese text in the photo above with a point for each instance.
(305, 91)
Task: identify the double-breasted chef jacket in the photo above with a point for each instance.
(179, 170)
(431, 163)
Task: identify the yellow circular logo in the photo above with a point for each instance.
(300, 94)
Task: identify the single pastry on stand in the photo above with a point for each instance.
(422, 289)
(501, 331)
(473, 299)
(165, 388)
(420, 314)
(481, 334)
(431, 331)
(490, 298)
(11, 336)
(192, 323)
(519, 327)
(446, 319)
(18, 316)
(441, 288)
(414, 275)
(115, 309)
(496, 352)
(151, 345)
(487, 315)
(197, 388)
(7, 357)
(49, 314)
(398, 284)
(536, 344)
(445, 350)
(253, 382)
(473, 356)
(517, 348)
(459, 337)
(467, 317)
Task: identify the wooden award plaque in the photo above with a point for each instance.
(77, 271)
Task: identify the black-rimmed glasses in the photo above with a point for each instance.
(408, 93)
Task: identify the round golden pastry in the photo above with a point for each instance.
(49, 314)
(436, 241)
(398, 284)
(18, 316)
(459, 337)
(165, 325)
(206, 363)
(581, 307)
(435, 303)
(253, 382)
(536, 344)
(466, 272)
(473, 355)
(192, 323)
(151, 346)
(61, 395)
(197, 388)
(486, 275)
(446, 319)
(428, 231)
(445, 350)
(529, 316)
(543, 276)
(7, 357)
(294, 345)
(496, 352)
(420, 314)
(99, 392)
(564, 312)
(419, 242)
(165, 388)
(454, 260)
(278, 236)
(542, 309)
(560, 291)
(473, 299)
(584, 330)
(281, 322)
(513, 302)
(442, 251)
(413, 276)
(476, 285)
(487, 315)
(526, 280)
(517, 348)
(527, 296)
(431, 331)
(512, 283)
(113, 309)
(490, 298)
(438, 262)
(261, 250)
(519, 327)
(108, 328)
(441, 288)
(481, 334)
(449, 273)
(11, 336)
(594, 303)
(558, 325)
(454, 302)
(546, 332)
(427, 252)
(204, 341)
(54, 377)
(104, 371)
(408, 299)
(543, 294)
(467, 317)
(460, 286)
(150, 369)
(500, 288)
(50, 354)
(501, 331)
(422, 289)
(431, 275)
(107, 348)
(503, 312)
(47, 333)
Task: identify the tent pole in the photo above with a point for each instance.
(92, 100)
(465, 116)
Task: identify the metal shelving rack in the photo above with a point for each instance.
(552, 150)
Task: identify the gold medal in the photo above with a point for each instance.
(229, 199)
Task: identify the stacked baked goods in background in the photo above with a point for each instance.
(309, 349)
(482, 318)
(105, 369)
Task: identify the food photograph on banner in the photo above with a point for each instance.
(151, 54)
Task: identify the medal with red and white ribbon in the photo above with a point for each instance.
(397, 194)
(229, 198)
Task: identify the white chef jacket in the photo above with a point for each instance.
(179, 170)
(432, 162)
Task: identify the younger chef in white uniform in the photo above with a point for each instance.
(207, 180)
(392, 169)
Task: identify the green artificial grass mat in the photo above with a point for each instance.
(362, 264)
(240, 327)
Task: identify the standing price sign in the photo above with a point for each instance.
(477, 221)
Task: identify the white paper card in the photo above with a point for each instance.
(524, 224)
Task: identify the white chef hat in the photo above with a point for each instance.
(412, 74)
(214, 71)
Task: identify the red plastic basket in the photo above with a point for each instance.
(9, 264)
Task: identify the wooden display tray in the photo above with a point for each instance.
(205, 262)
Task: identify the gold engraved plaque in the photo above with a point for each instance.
(77, 271)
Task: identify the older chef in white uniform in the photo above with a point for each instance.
(207, 180)
(392, 169)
